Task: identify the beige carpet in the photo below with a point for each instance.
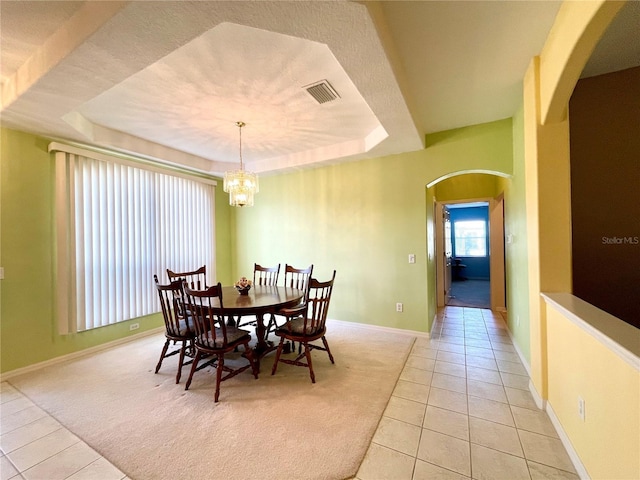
(280, 426)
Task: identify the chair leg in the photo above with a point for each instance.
(164, 352)
(270, 325)
(219, 375)
(278, 353)
(194, 366)
(307, 353)
(181, 360)
(326, 346)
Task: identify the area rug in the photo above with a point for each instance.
(471, 293)
(280, 426)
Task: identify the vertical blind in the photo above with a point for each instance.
(124, 224)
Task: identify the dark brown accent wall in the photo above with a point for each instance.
(604, 116)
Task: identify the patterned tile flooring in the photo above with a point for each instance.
(461, 409)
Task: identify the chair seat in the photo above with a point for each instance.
(234, 335)
(297, 327)
(186, 328)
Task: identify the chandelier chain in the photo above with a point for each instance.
(240, 125)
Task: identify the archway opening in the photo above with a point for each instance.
(469, 240)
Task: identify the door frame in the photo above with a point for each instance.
(443, 271)
(496, 250)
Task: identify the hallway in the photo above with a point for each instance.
(462, 409)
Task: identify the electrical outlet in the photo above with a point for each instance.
(134, 326)
(398, 307)
(412, 258)
(581, 408)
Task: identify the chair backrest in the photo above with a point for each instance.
(171, 301)
(318, 299)
(297, 277)
(207, 310)
(265, 275)
(196, 279)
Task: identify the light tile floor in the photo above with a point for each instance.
(461, 409)
(34, 446)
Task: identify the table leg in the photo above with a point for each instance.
(262, 346)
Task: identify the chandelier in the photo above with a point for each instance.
(240, 185)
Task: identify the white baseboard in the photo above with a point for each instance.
(88, 351)
(53, 361)
(564, 438)
(523, 359)
(541, 403)
(544, 405)
(379, 328)
(433, 324)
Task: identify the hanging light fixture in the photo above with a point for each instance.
(240, 185)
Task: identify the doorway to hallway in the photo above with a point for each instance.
(470, 252)
(469, 240)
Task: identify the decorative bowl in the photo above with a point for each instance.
(243, 286)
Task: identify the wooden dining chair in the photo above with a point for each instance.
(196, 279)
(308, 324)
(297, 277)
(293, 278)
(178, 326)
(214, 337)
(265, 275)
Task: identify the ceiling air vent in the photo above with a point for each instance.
(322, 91)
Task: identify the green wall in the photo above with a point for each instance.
(516, 250)
(363, 219)
(27, 255)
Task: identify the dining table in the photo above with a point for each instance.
(261, 301)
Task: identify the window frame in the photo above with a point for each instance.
(484, 237)
(64, 253)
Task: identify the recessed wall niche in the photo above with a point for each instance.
(604, 117)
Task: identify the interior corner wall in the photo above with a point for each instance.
(225, 236)
(516, 246)
(364, 218)
(604, 116)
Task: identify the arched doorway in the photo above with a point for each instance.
(469, 241)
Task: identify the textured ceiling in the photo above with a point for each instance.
(168, 80)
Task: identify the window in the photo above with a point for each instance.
(119, 223)
(470, 238)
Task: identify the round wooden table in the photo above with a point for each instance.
(260, 301)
